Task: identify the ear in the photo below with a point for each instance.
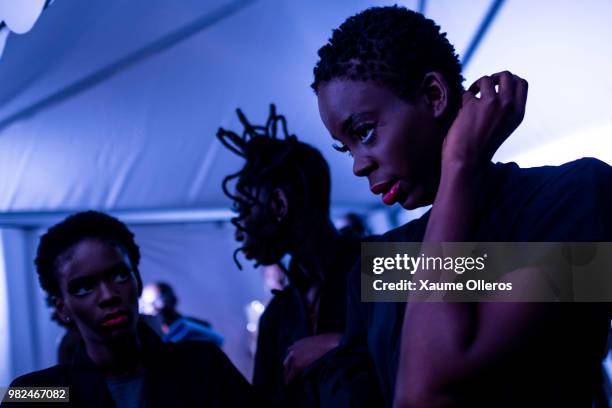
(61, 309)
(435, 93)
(279, 204)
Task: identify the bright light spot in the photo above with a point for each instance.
(146, 303)
(257, 306)
(21, 15)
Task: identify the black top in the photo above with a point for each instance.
(187, 374)
(568, 203)
(286, 320)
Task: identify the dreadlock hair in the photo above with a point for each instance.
(394, 47)
(74, 229)
(276, 160)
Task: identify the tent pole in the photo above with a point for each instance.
(422, 6)
(484, 26)
(37, 219)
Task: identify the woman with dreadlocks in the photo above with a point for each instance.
(282, 197)
(389, 89)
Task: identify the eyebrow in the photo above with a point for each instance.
(350, 121)
(121, 266)
(76, 282)
(101, 274)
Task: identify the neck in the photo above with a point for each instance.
(117, 357)
(316, 249)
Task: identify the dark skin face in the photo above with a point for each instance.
(99, 292)
(262, 234)
(394, 143)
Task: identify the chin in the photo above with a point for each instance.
(411, 203)
(416, 199)
(120, 336)
(124, 331)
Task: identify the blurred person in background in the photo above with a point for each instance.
(353, 225)
(274, 278)
(159, 299)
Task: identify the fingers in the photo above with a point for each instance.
(512, 91)
(510, 85)
(485, 86)
(485, 121)
(506, 82)
(520, 95)
(467, 97)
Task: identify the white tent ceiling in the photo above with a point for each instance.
(115, 104)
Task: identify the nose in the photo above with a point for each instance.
(363, 166)
(107, 295)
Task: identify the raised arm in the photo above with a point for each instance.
(444, 343)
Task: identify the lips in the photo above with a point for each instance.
(115, 319)
(390, 196)
(381, 187)
(389, 191)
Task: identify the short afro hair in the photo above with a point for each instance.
(393, 46)
(71, 231)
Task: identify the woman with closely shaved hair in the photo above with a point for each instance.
(389, 91)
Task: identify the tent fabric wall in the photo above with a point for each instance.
(144, 137)
(141, 136)
(196, 259)
(5, 334)
(26, 304)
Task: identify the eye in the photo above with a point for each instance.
(365, 133)
(342, 148)
(81, 289)
(122, 276)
